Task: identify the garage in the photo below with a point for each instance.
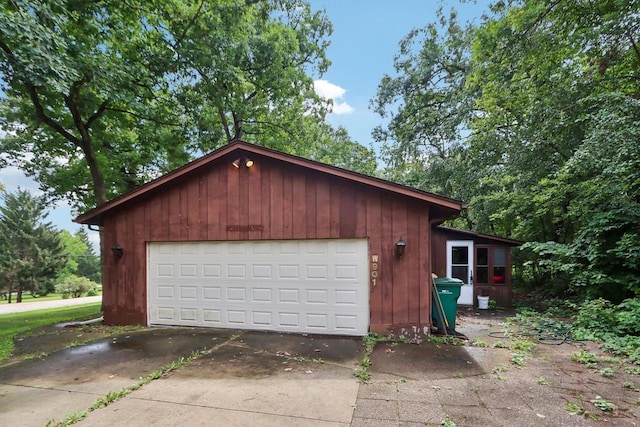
(247, 237)
(306, 286)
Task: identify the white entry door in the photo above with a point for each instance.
(460, 266)
(311, 286)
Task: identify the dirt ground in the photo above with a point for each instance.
(577, 378)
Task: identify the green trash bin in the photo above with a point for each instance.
(448, 290)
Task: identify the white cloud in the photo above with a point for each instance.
(341, 108)
(327, 90)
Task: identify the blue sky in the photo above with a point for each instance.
(366, 34)
(364, 41)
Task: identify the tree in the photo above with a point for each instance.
(31, 253)
(547, 147)
(103, 96)
(551, 76)
(249, 78)
(88, 263)
(428, 103)
(82, 260)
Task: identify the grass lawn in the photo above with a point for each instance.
(17, 323)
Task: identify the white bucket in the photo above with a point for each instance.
(483, 302)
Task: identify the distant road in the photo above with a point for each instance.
(39, 305)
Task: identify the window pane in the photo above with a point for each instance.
(498, 275)
(499, 256)
(482, 275)
(482, 256)
(460, 255)
(461, 273)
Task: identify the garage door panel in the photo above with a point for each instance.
(318, 286)
(262, 295)
(317, 296)
(212, 317)
(288, 296)
(212, 270)
(262, 271)
(290, 271)
(166, 292)
(211, 293)
(189, 314)
(166, 313)
(236, 271)
(188, 292)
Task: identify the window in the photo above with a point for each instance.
(482, 265)
(491, 265)
(499, 265)
(460, 263)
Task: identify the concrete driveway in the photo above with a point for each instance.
(244, 378)
(270, 379)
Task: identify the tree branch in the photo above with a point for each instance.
(237, 126)
(96, 115)
(635, 46)
(140, 116)
(225, 124)
(35, 99)
(189, 25)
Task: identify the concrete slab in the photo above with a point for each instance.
(425, 361)
(235, 402)
(169, 414)
(35, 406)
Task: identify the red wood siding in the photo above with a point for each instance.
(502, 294)
(287, 202)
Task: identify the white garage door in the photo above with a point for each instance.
(312, 286)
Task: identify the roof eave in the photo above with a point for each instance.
(95, 216)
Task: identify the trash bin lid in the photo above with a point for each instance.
(448, 281)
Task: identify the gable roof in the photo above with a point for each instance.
(476, 235)
(447, 208)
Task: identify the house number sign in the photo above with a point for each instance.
(374, 269)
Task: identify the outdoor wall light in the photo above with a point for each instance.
(247, 162)
(117, 251)
(400, 246)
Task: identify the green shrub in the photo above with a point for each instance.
(617, 327)
(93, 292)
(74, 286)
(628, 316)
(596, 319)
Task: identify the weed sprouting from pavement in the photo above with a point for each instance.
(607, 372)
(544, 381)
(585, 358)
(519, 358)
(603, 405)
(448, 422)
(578, 408)
(445, 340)
(497, 370)
(369, 341)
